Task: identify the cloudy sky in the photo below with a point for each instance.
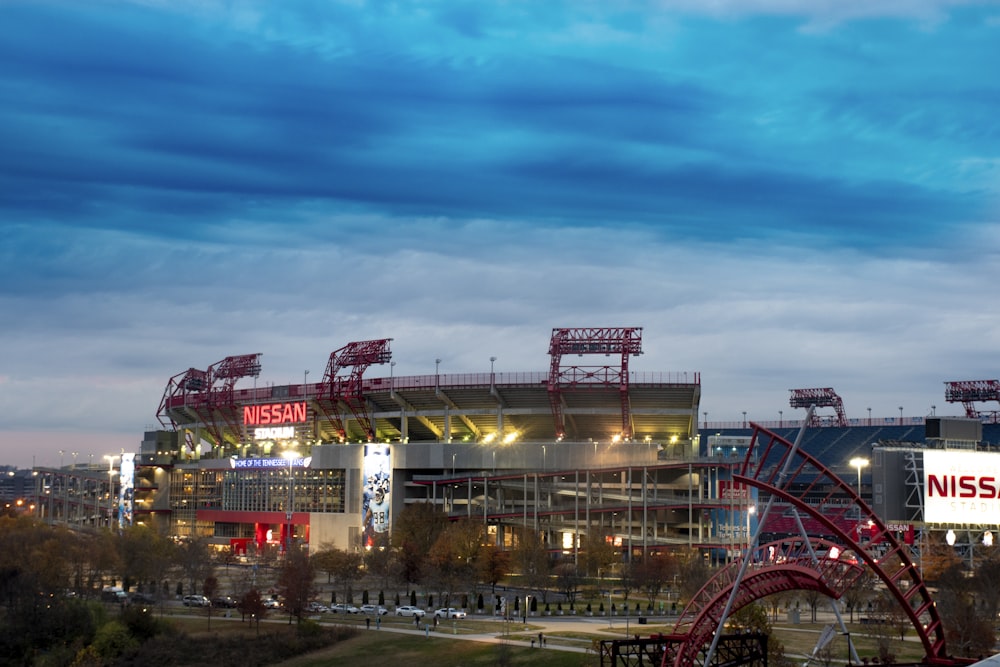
(782, 193)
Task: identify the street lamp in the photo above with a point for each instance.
(901, 415)
(859, 462)
(781, 422)
(492, 361)
(706, 419)
(869, 416)
(392, 365)
(111, 458)
(289, 455)
(751, 510)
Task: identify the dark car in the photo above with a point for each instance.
(224, 601)
(142, 598)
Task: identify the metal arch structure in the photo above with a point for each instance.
(783, 565)
(622, 341)
(348, 389)
(776, 467)
(825, 397)
(969, 392)
(210, 394)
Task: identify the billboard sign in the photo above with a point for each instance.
(375, 503)
(126, 491)
(961, 487)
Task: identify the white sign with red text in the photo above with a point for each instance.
(961, 487)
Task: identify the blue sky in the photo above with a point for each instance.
(783, 193)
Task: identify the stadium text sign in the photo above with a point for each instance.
(961, 487)
(274, 413)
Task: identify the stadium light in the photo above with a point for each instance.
(859, 462)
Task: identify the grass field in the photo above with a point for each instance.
(445, 648)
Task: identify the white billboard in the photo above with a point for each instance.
(961, 487)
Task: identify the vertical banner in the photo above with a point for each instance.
(126, 490)
(377, 474)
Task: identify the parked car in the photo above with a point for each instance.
(374, 609)
(195, 601)
(271, 603)
(407, 610)
(449, 612)
(142, 598)
(317, 608)
(344, 609)
(224, 601)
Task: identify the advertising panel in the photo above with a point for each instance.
(377, 471)
(126, 491)
(961, 487)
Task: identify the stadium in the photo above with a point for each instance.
(588, 448)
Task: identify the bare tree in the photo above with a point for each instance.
(296, 582)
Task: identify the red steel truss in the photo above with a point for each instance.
(780, 566)
(968, 392)
(347, 389)
(623, 341)
(821, 398)
(210, 395)
(785, 473)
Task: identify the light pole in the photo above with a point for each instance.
(901, 415)
(492, 361)
(744, 419)
(111, 458)
(305, 380)
(781, 423)
(706, 420)
(392, 385)
(289, 455)
(437, 368)
(859, 462)
(751, 510)
(869, 416)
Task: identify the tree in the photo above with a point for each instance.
(596, 555)
(493, 564)
(568, 581)
(195, 561)
(653, 573)
(252, 605)
(415, 530)
(452, 557)
(532, 560)
(859, 592)
(296, 582)
(968, 629)
(209, 589)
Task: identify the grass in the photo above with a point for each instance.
(441, 649)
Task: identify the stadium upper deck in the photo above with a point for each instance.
(457, 408)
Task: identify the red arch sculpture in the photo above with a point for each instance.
(775, 467)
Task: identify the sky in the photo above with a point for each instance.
(781, 193)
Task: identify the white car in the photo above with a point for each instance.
(196, 601)
(271, 603)
(344, 609)
(449, 612)
(317, 608)
(407, 610)
(374, 609)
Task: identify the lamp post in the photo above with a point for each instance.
(869, 416)
(751, 510)
(859, 462)
(111, 458)
(744, 419)
(492, 361)
(392, 385)
(289, 455)
(781, 423)
(901, 415)
(706, 420)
